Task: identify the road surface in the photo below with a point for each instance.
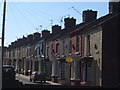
(26, 80)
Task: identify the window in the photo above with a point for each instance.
(57, 45)
(36, 66)
(70, 47)
(63, 48)
(47, 50)
(95, 46)
(38, 50)
(88, 44)
(52, 50)
(82, 45)
(42, 49)
(27, 52)
(77, 43)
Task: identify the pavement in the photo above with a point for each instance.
(27, 77)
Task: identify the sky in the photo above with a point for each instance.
(24, 18)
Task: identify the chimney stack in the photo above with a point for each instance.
(114, 7)
(30, 39)
(24, 40)
(56, 29)
(19, 42)
(36, 36)
(45, 33)
(69, 22)
(15, 44)
(89, 15)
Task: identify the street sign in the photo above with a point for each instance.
(69, 59)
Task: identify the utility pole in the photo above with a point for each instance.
(2, 48)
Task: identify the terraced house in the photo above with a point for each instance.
(42, 64)
(92, 46)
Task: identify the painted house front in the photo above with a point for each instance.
(64, 68)
(93, 48)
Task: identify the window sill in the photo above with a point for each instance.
(56, 54)
(77, 53)
(63, 56)
(70, 54)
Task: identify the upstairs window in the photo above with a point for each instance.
(63, 48)
(70, 50)
(42, 49)
(27, 52)
(47, 50)
(88, 44)
(39, 51)
(73, 46)
(57, 46)
(77, 43)
(52, 50)
(81, 45)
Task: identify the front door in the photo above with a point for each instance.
(89, 72)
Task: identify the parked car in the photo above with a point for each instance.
(37, 76)
(8, 73)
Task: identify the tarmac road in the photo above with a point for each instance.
(26, 80)
(22, 81)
